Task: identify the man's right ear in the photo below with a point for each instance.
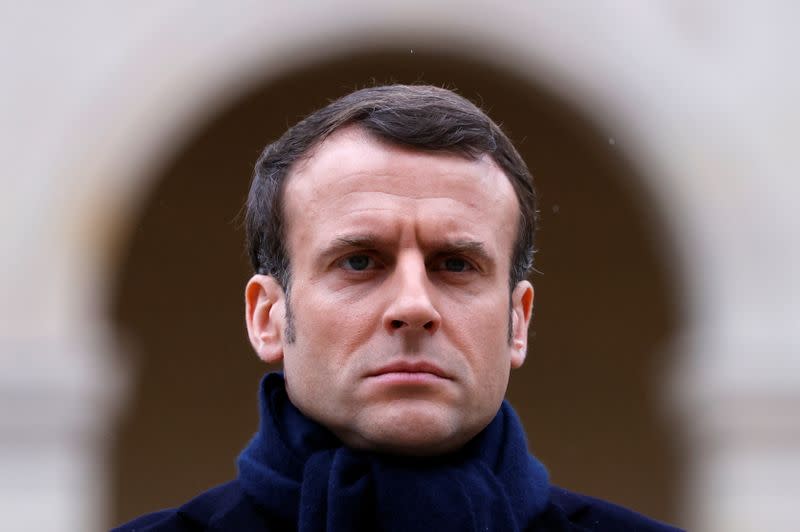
(265, 312)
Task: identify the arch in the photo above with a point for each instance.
(154, 111)
(113, 182)
(595, 247)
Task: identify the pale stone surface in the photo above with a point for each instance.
(702, 93)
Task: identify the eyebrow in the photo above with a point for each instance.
(472, 248)
(355, 241)
(344, 243)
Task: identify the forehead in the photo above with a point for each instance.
(353, 178)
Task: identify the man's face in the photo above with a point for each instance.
(399, 294)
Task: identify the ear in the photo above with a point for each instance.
(521, 308)
(265, 313)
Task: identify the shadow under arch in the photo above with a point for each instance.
(605, 300)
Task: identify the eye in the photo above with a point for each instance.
(357, 263)
(454, 265)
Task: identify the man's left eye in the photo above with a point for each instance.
(455, 264)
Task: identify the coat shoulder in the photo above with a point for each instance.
(168, 520)
(589, 513)
(224, 507)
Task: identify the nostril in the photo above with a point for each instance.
(396, 324)
(428, 325)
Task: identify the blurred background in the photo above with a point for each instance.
(663, 371)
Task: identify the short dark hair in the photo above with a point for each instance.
(418, 116)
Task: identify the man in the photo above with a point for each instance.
(391, 233)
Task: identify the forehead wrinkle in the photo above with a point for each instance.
(478, 171)
(410, 204)
(423, 196)
(452, 229)
(306, 182)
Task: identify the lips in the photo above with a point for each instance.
(420, 367)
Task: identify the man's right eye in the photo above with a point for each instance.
(357, 263)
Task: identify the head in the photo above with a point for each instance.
(391, 233)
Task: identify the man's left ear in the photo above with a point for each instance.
(521, 308)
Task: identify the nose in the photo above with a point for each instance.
(411, 307)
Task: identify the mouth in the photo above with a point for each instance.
(406, 371)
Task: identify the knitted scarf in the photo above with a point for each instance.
(299, 472)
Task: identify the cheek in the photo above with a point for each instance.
(481, 334)
(332, 327)
(483, 322)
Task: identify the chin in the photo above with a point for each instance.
(415, 428)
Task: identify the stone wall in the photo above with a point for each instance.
(703, 95)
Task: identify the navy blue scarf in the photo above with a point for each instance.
(298, 472)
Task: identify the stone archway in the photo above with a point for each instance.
(707, 111)
(588, 394)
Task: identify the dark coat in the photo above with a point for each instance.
(228, 508)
